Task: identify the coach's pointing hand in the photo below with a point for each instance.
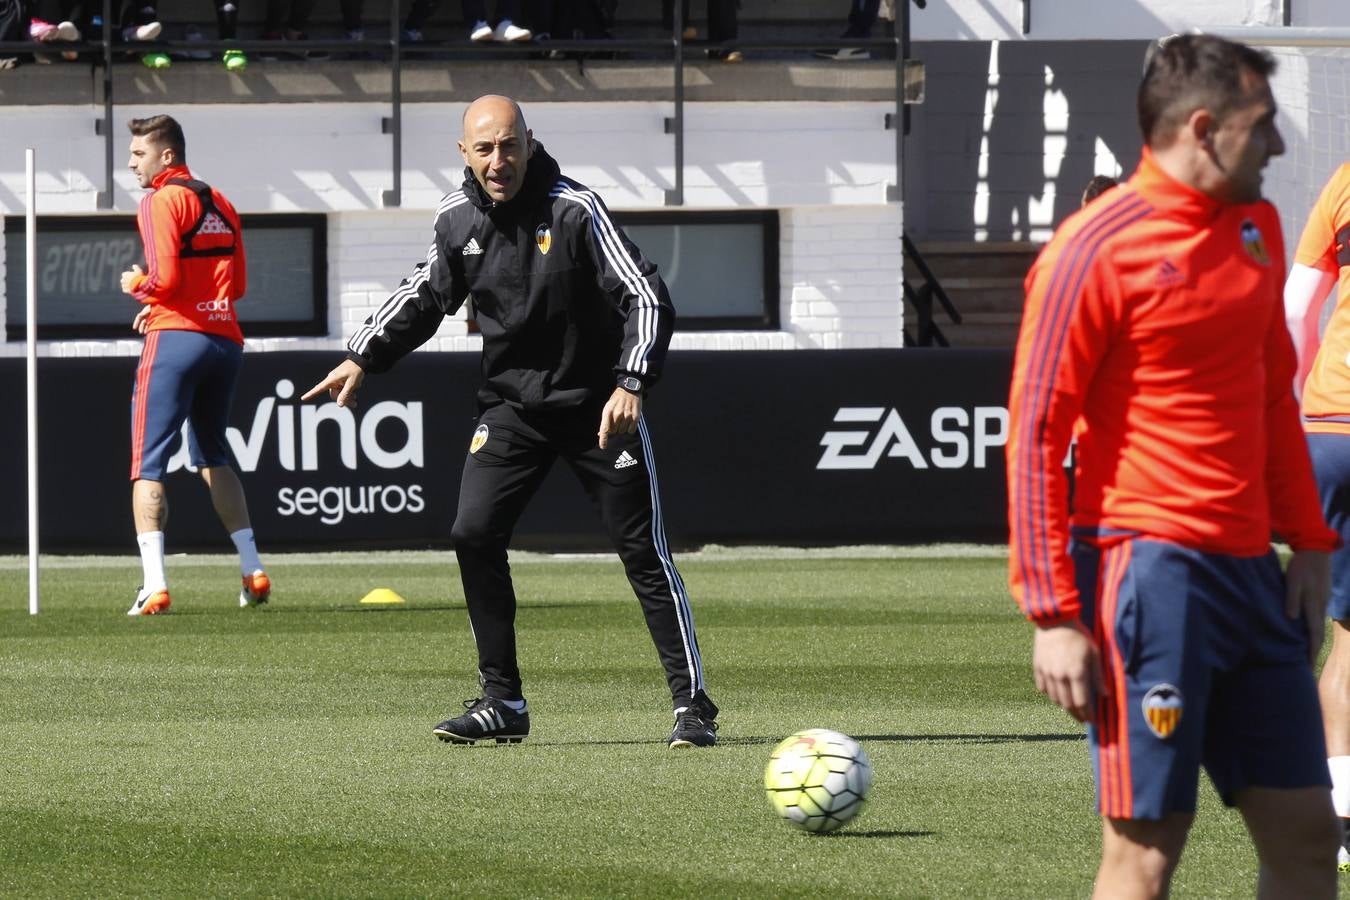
(620, 415)
(1067, 668)
(341, 384)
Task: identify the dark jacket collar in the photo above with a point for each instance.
(540, 175)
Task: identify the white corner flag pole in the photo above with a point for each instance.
(31, 242)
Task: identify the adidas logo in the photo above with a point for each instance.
(214, 224)
(1169, 275)
(472, 248)
(489, 718)
(625, 460)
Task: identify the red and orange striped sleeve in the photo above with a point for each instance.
(1073, 308)
(162, 218)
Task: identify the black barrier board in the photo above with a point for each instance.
(800, 447)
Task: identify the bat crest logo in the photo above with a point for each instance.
(1162, 709)
(1254, 243)
(480, 437)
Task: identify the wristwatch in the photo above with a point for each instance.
(630, 383)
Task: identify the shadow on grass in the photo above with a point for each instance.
(933, 738)
(316, 610)
(751, 741)
(875, 834)
(399, 608)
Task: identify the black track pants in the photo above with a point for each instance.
(510, 454)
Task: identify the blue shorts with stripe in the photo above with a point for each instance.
(1203, 668)
(183, 376)
(1331, 465)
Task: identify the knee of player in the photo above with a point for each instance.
(1145, 851)
(475, 531)
(1311, 838)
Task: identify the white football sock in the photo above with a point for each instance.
(248, 551)
(1340, 784)
(152, 560)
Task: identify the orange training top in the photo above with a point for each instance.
(195, 293)
(1154, 322)
(1325, 245)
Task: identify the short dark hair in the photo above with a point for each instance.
(1187, 72)
(1099, 185)
(163, 131)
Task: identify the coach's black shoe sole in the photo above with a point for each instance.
(452, 738)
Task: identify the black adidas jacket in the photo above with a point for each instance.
(564, 301)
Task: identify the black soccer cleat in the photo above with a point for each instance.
(694, 727)
(486, 718)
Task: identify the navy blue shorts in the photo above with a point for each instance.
(183, 376)
(1331, 464)
(1203, 668)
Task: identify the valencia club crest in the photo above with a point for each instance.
(1162, 709)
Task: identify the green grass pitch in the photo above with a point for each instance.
(287, 751)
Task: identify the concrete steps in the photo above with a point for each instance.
(984, 282)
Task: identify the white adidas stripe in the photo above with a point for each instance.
(391, 307)
(361, 338)
(684, 615)
(608, 238)
(636, 361)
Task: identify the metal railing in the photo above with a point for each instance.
(927, 332)
(396, 52)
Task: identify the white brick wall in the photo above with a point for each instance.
(825, 167)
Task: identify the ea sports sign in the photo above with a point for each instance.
(956, 437)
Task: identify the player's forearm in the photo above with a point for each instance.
(1040, 570)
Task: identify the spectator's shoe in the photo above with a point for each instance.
(694, 727)
(69, 31)
(411, 36)
(690, 33)
(844, 54)
(156, 61)
(150, 603)
(8, 62)
(486, 718)
(42, 31)
(511, 33)
(727, 56)
(235, 61)
(147, 32)
(257, 587)
(481, 31)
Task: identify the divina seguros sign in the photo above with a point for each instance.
(319, 437)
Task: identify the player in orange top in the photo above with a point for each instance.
(1324, 380)
(1153, 330)
(194, 272)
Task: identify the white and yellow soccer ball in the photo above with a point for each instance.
(818, 779)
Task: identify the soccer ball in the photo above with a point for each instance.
(818, 779)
